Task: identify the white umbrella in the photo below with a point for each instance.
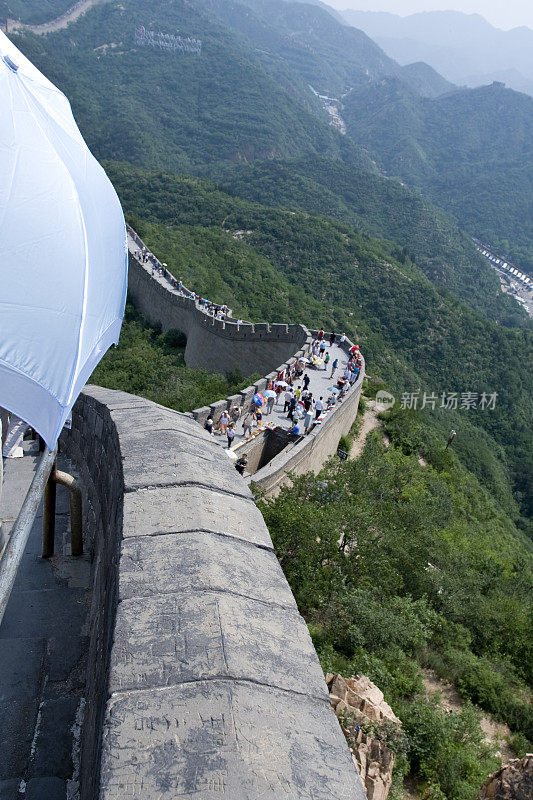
(63, 251)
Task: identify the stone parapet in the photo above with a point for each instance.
(203, 677)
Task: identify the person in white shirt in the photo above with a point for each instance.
(319, 407)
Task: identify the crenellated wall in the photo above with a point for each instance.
(203, 680)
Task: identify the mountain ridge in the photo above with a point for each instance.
(459, 46)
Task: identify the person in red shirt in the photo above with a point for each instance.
(320, 334)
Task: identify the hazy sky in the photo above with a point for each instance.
(501, 13)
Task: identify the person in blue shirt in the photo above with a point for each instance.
(295, 429)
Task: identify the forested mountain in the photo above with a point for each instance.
(470, 151)
(379, 207)
(211, 111)
(298, 267)
(33, 11)
(174, 109)
(330, 56)
(206, 109)
(425, 80)
(464, 48)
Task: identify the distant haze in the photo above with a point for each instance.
(509, 14)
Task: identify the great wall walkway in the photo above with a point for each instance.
(43, 654)
(320, 385)
(71, 15)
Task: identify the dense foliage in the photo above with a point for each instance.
(379, 207)
(398, 566)
(173, 109)
(33, 12)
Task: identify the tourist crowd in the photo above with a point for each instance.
(291, 387)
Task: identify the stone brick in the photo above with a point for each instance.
(241, 740)
(177, 638)
(187, 508)
(201, 561)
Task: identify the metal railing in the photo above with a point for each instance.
(21, 530)
(44, 483)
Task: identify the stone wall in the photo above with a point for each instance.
(212, 344)
(267, 349)
(311, 452)
(203, 677)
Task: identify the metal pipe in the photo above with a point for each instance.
(49, 517)
(21, 530)
(76, 526)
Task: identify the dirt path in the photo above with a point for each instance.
(370, 423)
(496, 733)
(58, 24)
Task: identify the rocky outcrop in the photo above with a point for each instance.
(370, 727)
(513, 781)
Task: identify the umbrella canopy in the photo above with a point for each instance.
(64, 254)
(269, 393)
(258, 400)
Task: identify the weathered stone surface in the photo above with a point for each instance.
(185, 508)
(112, 398)
(46, 789)
(185, 461)
(514, 781)
(222, 738)
(145, 419)
(171, 639)
(200, 561)
(188, 556)
(361, 694)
